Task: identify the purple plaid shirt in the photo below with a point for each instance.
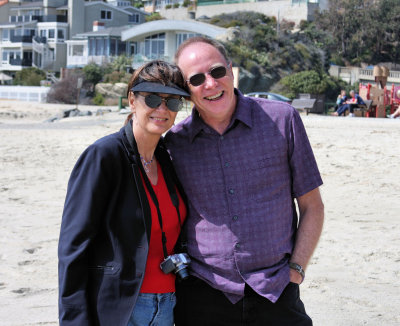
(241, 185)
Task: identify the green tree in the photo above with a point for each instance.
(361, 30)
(29, 77)
(312, 82)
(93, 73)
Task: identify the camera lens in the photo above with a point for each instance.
(183, 273)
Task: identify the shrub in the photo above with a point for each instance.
(66, 90)
(168, 6)
(154, 16)
(29, 77)
(117, 77)
(98, 99)
(176, 5)
(93, 73)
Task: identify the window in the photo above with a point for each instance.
(134, 18)
(154, 46)
(9, 56)
(13, 19)
(6, 35)
(60, 34)
(92, 46)
(181, 37)
(99, 46)
(113, 46)
(52, 33)
(77, 50)
(105, 14)
(132, 48)
(121, 47)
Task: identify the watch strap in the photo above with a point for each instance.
(299, 269)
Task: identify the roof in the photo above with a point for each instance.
(28, 5)
(164, 25)
(18, 24)
(110, 31)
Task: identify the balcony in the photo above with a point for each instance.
(21, 39)
(51, 18)
(21, 62)
(40, 39)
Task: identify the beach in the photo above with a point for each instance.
(353, 278)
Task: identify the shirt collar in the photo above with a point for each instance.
(243, 113)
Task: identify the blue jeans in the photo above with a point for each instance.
(153, 309)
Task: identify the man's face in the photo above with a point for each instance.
(215, 98)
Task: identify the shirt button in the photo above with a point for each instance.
(222, 137)
(226, 164)
(235, 217)
(231, 191)
(237, 246)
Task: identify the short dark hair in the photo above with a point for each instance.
(202, 39)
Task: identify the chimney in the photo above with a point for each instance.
(97, 26)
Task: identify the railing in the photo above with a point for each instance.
(51, 18)
(24, 93)
(21, 62)
(221, 2)
(21, 38)
(40, 39)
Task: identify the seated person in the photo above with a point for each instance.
(340, 99)
(350, 104)
(395, 114)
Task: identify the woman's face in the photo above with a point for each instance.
(152, 121)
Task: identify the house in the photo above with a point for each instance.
(35, 33)
(99, 46)
(144, 42)
(159, 39)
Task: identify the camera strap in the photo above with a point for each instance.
(132, 152)
(175, 201)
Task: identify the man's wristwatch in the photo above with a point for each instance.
(298, 269)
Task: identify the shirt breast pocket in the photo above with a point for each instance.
(268, 176)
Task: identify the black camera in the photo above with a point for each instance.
(178, 264)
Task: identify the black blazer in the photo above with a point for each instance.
(105, 232)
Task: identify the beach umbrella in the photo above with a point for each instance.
(4, 77)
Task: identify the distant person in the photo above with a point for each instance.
(123, 213)
(354, 101)
(395, 114)
(341, 99)
(243, 163)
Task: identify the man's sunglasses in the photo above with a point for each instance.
(154, 101)
(200, 78)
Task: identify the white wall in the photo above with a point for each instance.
(284, 8)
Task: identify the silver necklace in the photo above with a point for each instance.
(146, 163)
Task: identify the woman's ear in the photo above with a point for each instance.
(131, 100)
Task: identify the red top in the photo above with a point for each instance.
(155, 281)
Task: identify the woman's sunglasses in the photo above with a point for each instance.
(216, 73)
(154, 101)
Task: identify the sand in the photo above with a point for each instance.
(354, 275)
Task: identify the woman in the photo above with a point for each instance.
(118, 209)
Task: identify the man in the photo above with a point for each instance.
(354, 101)
(242, 161)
